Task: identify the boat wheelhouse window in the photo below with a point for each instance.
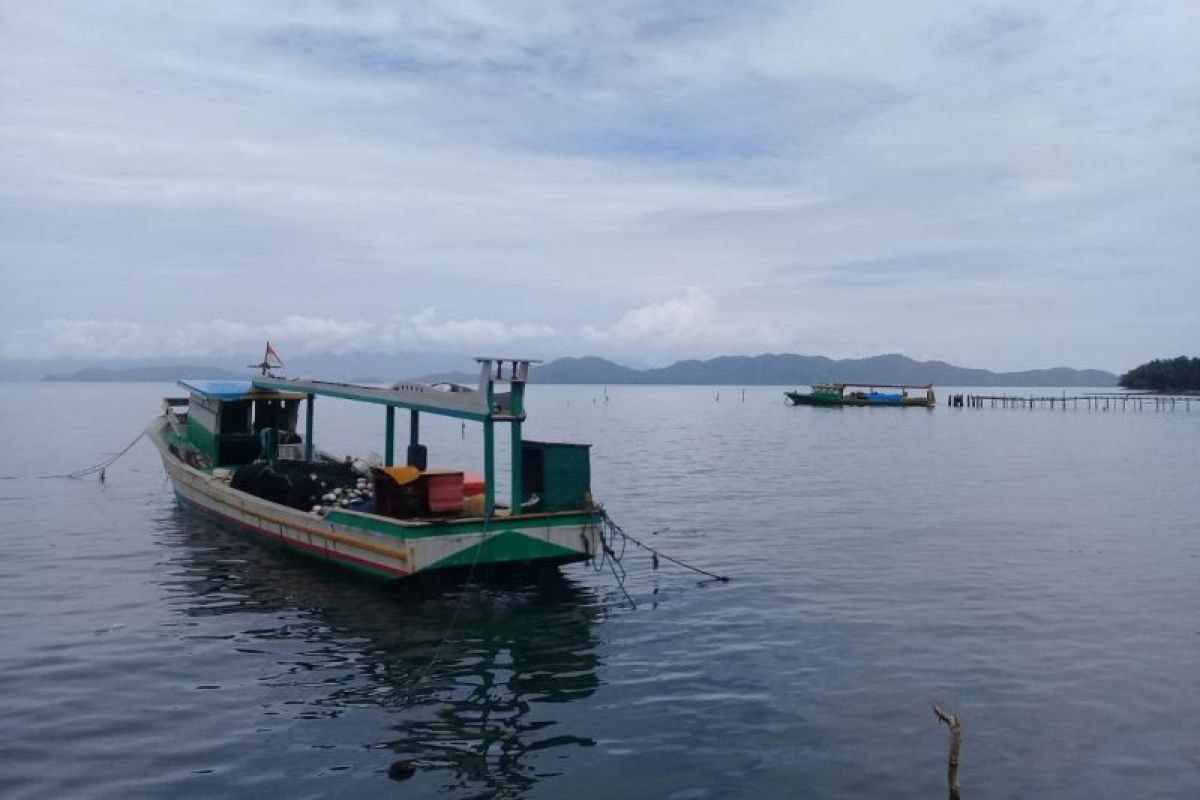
(278, 414)
(235, 417)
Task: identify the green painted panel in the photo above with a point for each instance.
(202, 439)
(506, 546)
(558, 472)
(376, 524)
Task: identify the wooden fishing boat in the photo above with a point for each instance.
(863, 394)
(231, 449)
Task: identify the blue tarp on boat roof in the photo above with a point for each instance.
(220, 390)
(235, 390)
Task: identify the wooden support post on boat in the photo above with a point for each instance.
(517, 410)
(389, 442)
(308, 426)
(489, 450)
(955, 727)
(489, 470)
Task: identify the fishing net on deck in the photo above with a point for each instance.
(302, 484)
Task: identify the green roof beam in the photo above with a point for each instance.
(418, 398)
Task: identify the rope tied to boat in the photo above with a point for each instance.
(97, 468)
(613, 542)
(419, 680)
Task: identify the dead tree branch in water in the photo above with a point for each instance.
(952, 723)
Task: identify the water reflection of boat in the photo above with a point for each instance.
(475, 708)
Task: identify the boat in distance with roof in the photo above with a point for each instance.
(865, 394)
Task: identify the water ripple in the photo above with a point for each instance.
(1037, 573)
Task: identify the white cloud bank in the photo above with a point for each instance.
(966, 179)
(296, 335)
(689, 324)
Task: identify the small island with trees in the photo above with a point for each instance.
(1180, 374)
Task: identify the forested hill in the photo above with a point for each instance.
(764, 370)
(789, 369)
(163, 374)
(1180, 374)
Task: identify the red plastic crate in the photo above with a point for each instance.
(472, 484)
(445, 492)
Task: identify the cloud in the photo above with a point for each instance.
(681, 320)
(690, 324)
(557, 164)
(297, 335)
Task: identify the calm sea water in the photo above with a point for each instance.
(1036, 571)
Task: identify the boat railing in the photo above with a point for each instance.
(485, 405)
(175, 410)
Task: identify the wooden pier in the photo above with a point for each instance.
(1087, 402)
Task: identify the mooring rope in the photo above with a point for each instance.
(79, 473)
(415, 684)
(610, 531)
(613, 560)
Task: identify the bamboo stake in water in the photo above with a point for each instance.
(952, 723)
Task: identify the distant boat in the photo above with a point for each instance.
(864, 394)
(232, 451)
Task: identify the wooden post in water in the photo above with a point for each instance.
(955, 727)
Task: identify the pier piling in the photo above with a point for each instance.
(1090, 402)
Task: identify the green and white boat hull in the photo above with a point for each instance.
(383, 546)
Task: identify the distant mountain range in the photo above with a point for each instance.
(794, 370)
(331, 366)
(765, 370)
(168, 374)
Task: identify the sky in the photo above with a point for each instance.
(1003, 185)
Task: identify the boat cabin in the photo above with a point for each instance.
(231, 423)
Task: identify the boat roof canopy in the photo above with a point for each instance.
(886, 385)
(481, 404)
(234, 390)
(416, 397)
